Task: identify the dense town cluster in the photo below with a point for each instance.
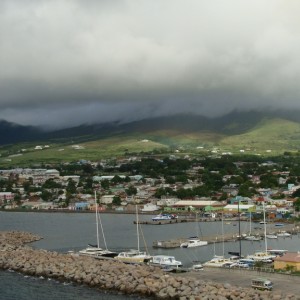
(169, 183)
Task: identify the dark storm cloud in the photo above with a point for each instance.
(69, 62)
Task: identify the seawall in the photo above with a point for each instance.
(112, 275)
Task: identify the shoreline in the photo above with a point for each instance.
(144, 280)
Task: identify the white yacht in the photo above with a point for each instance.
(283, 234)
(252, 238)
(271, 236)
(165, 260)
(193, 242)
(262, 256)
(219, 262)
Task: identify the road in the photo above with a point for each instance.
(284, 283)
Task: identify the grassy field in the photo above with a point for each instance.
(270, 137)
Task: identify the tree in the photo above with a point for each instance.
(117, 179)
(105, 184)
(131, 190)
(297, 205)
(71, 187)
(51, 184)
(116, 201)
(46, 196)
(17, 198)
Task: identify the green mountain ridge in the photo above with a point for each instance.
(268, 136)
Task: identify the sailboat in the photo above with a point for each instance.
(95, 250)
(134, 256)
(251, 237)
(193, 241)
(219, 261)
(263, 256)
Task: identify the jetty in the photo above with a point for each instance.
(182, 220)
(229, 237)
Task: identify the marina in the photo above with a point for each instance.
(291, 229)
(64, 232)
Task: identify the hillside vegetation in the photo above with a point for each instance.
(269, 136)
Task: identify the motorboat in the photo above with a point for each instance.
(164, 217)
(262, 256)
(252, 238)
(283, 234)
(219, 262)
(133, 257)
(165, 260)
(193, 242)
(196, 267)
(277, 252)
(271, 236)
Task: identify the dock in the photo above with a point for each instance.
(180, 220)
(230, 237)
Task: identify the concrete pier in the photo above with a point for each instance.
(228, 237)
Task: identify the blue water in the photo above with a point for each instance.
(73, 231)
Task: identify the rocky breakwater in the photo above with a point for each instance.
(113, 275)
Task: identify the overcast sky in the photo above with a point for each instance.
(68, 62)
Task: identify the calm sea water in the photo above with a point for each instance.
(73, 231)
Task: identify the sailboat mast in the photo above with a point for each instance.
(250, 224)
(265, 226)
(97, 225)
(104, 240)
(223, 242)
(137, 228)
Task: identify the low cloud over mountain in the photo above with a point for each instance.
(65, 63)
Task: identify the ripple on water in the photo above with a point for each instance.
(15, 286)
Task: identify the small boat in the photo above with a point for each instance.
(164, 217)
(283, 234)
(219, 262)
(252, 238)
(133, 257)
(196, 267)
(193, 242)
(97, 252)
(279, 224)
(277, 252)
(262, 222)
(262, 256)
(271, 236)
(165, 260)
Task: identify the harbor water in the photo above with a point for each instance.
(63, 232)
